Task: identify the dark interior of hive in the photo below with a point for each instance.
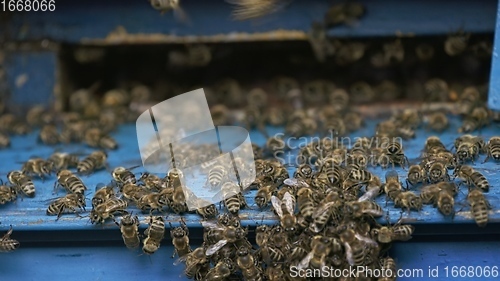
(396, 78)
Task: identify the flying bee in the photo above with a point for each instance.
(129, 227)
(102, 194)
(479, 206)
(7, 194)
(358, 209)
(285, 209)
(218, 236)
(95, 137)
(154, 234)
(408, 200)
(436, 90)
(123, 175)
(22, 183)
(438, 121)
(107, 210)
(445, 202)
(493, 149)
(233, 202)
(95, 161)
(61, 161)
(67, 203)
(472, 178)
(4, 140)
(70, 182)
(416, 174)
(180, 239)
(8, 244)
(38, 167)
(456, 43)
(49, 135)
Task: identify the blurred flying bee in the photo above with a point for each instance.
(8, 244)
(408, 200)
(22, 183)
(122, 175)
(493, 149)
(129, 227)
(95, 137)
(37, 167)
(70, 182)
(438, 121)
(61, 161)
(472, 178)
(416, 174)
(479, 206)
(7, 194)
(95, 161)
(468, 147)
(388, 234)
(221, 271)
(456, 43)
(344, 13)
(394, 52)
(180, 239)
(154, 234)
(218, 236)
(70, 202)
(102, 194)
(251, 9)
(424, 52)
(285, 211)
(358, 209)
(4, 140)
(107, 209)
(436, 90)
(49, 135)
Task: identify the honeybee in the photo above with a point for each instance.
(354, 244)
(274, 144)
(285, 209)
(479, 206)
(478, 118)
(358, 209)
(235, 202)
(154, 234)
(416, 174)
(445, 202)
(250, 9)
(472, 177)
(67, 203)
(7, 194)
(456, 43)
(152, 182)
(180, 239)
(424, 51)
(70, 182)
(218, 236)
(305, 202)
(248, 264)
(437, 171)
(153, 201)
(197, 264)
(107, 209)
(22, 183)
(361, 92)
(468, 147)
(217, 175)
(433, 144)
(95, 161)
(123, 175)
(4, 140)
(388, 234)
(353, 121)
(264, 193)
(493, 149)
(436, 90)
(408, 200)
(102, 194)
(316, 258)
(38, 167)
(8, 244)
(388, 265)
(61, 161)
(49, 135)
(299, 127)
(129, 227)
(95, 137)
(438, 121)
(468, 100)
(333, 202)
(394, 151)
(221, 271)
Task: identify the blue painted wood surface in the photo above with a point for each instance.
(76, 20)
(494, 92)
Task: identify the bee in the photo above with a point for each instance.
(437, 171)
(234, 202)
(333, 202)
(8, 244)
(209, 211)
(49, 135)
(7, 194)
(424, 51)
(274, 144)
(4, 140)
(95, 161)
(218, 236)
(316, 258)
(70, 182)
(129, 227)
(299, 127)
(354, 247)
(107, 209)
(221, 271)
(229, 90)
(438, 121)
(248, 264)
(180, 239)
(468, 100)
(69, 202)
(61, 161)
(445, 202)
(433, 144)
(353, 121)
(416, 174)
(94, 137)
(394, 151)
(410, 118)
(305, 202)
(285, 210)
(197, 263)
(264, 193)
(152, 182)
(102, 194)
(456, 43)
(151, 201)
(123, 175)
(478, 118)
(388, 265)
(154, 234)
(217, 175)
(408, 200)
(339, 99)
(493, 149)
(468, 147)
(436, 90)
(73, 131)
(246, 10)
(22, 183)
(388, 234)
(479, 206)
(37, 166)
(358, 209)
(472, 177)
(361, 92)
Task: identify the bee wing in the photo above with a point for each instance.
(322, 209)
(348, 254)
(211, 225)
(370, 194)
(288, 199)
(180, 260)
(277, 205)
(366, 239)
(214, 248)
(304, 263)
(295, 182)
